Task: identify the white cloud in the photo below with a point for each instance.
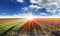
(21, 1)
(52, 11)
(23, 14)
(25, 8)
(33, 1)
(19, 14)
(43, 14)
(34, 6)
(31, 7)
(48, 4)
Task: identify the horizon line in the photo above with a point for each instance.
(30, 16)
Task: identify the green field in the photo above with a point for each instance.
(35, 27)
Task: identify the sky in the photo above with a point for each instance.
(22, 8)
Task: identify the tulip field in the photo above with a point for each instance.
(33, 27)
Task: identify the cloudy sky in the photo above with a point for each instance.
(30, 7)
